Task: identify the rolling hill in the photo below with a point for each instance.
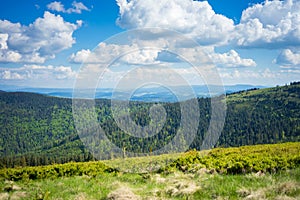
(37, 129)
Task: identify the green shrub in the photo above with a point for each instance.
(247, 159)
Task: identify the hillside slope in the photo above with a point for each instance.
(37, 129)
(262, 116)
(250, 172)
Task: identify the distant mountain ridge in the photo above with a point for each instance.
(152, 94)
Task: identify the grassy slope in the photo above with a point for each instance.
(184, 181)
(177, 185)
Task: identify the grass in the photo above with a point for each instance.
(177, 185)
(142, 164)
(193, 175)
(146, 164)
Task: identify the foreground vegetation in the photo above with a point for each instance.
(250, 172)
(266, 158)
(177, 185)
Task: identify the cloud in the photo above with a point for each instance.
(80, 56)
(293, 71)
(273, 24)
(77, 7)
(289, 61)
(133, 55)
(288, 58)
(105, 53)
(266, 76)
(249, 76)
(63, 72)
(37, 42)
(102, 54)
(37, 72)
(196, 19)
(8, 75)
(56, 6)
(231, 59)
(3, 41)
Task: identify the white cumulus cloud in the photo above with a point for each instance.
(10, 56)
(37, 72)
(80, 56)
(9, 75)
(133, 55)
(288, 58)
(37, 42)
(196, 19)
(105, 53)
(273, 24)
(231, 59)
(77, 7)
(56, 6)
(289, 61)
(3, 41)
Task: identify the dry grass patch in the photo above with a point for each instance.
(244, 192)
(182, 189)
(283, 191)
(158, 179)
(4, 196)
(122, 193)
(11, 186)
(252, 195)
(284, 197)
(288, 187)
(181, 185)
(256, 195)
(81, 196)
(18, 195)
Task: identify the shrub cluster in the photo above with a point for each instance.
(56, 170)
(246, 159)
(238, 160)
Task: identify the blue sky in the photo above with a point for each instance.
(43, 43)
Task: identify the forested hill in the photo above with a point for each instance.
(37, 129)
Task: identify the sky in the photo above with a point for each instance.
(52, 44)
